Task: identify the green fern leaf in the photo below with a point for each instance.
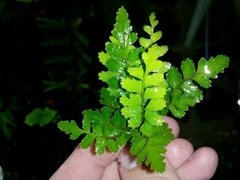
(71, 128)
(149, 148)
(108, 125)
(140, 90)
(208, 69)
(184, 92)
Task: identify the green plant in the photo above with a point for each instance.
(6, 120)
(41, 117)
(141, 90)
(63, 51)
(65, 61)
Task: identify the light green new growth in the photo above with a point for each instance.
(140, 90)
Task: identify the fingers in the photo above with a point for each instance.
(181, 161)
(142, 173)
(129, 162)
(84, 163)
(129, 168)
(178, 151)
(111, 172)
(201, 165)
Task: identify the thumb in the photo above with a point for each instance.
(84, 164)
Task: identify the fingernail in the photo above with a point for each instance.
(126, 161)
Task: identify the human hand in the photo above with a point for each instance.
(182, 163)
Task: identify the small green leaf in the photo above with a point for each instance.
(133, 38)
(132, 100)
(153, 53)
(103, 57)
(134, 56)
(122, 29)
(134, 115)
(144, 42)
(147, 29)
(203, 80)
(41, 117)
(131, 85)
(112, 145)
(136, 72)
(156, 36)
(155, 79)
(100, 145)
(87, 141)
(138, 146)
(152, 19)
(156, 104)
(174, 78)
(71, 128)
(107, 99)
(109, 77)
(132, 109)
(118, 120)
(115, 51)
(188, 68)
(154, 93)
(213, 66)
(146, 129)
(154, 118)
(192, 92)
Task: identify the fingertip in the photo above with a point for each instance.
(208, 157)
(178, 151)
(127, 161)
(202, 164)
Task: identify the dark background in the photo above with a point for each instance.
(49, 59)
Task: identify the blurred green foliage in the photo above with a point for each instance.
(6, 120)
(66, 60)
(41, 117)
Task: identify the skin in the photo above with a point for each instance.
(182, 163)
